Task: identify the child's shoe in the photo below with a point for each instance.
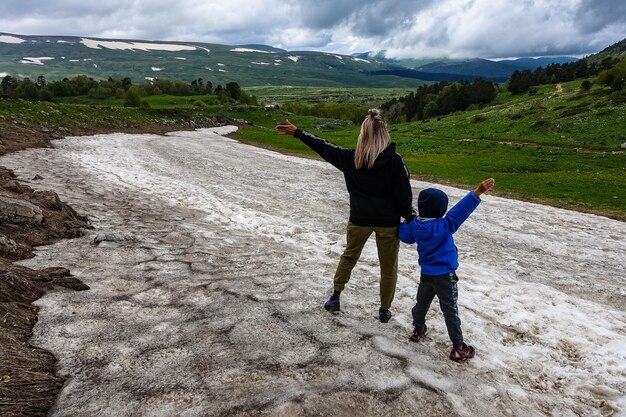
(384, 315)
(418, 334)
(463, 353)
(332, 305)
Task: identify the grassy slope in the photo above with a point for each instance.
(558, 148)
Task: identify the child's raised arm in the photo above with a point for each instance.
(484, 187)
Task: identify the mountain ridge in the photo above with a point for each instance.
(56, 57)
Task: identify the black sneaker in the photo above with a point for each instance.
(332, 305)
(384, 315)
(463, 353)
(418, 334)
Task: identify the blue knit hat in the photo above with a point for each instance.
(432, 203)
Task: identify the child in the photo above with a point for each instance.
(438, 260)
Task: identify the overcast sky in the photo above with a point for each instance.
(404, 28)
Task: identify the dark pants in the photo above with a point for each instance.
(445, 288)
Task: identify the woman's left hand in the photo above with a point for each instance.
(286, 129)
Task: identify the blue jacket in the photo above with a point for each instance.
(435, 246)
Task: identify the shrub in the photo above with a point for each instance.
(132, 97)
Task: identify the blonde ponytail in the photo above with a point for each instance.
(373, 139)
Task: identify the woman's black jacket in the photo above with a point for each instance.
(380, 195)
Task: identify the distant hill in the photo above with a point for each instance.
(57, 57)
(477, 67)
(617, 50)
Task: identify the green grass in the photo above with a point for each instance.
(561, 149)
(24, 115)
(534, 151)
(361, 96)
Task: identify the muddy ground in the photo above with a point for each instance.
(29, 384)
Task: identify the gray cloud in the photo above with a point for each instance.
(404, 28)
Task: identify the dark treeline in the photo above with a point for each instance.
(41, 90)
(439, 99)
(522, 81)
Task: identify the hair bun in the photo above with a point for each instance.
(373, 112)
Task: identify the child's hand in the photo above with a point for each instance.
(484, 187)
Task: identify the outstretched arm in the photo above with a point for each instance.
(462, 210)
(329, 151)
(287, 128)
(484, 187)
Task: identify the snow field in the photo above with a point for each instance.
(215, 304)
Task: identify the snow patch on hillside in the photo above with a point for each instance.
(98, 44)
(36, 61)
(294, 58)
(250, 50)
(10, 39)
(360, 60)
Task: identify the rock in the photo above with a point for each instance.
(7, 246)
(37, 177)
(19, 212)
(110, 237)
(48, 199)
(623, 145)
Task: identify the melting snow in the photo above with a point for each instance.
(37, 61)
(360, 60)
(293, 58)
(97, 44)
(156, 69)
(10, 39)
(3, 74)
(215, 306)
(260, 63)
(250, 50)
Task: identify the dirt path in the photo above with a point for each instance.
(207, 298)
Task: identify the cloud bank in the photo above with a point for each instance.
(403, 28)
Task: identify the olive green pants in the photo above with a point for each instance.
(387, 244)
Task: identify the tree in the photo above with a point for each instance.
(132, 98)
(233, 90)
(430, 110)
(9, 85)
(27, 90)
(41, 81)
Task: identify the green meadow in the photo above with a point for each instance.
(559, 148)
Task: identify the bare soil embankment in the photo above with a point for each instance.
(29, 384)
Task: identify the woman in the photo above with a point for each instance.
(380, 193)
